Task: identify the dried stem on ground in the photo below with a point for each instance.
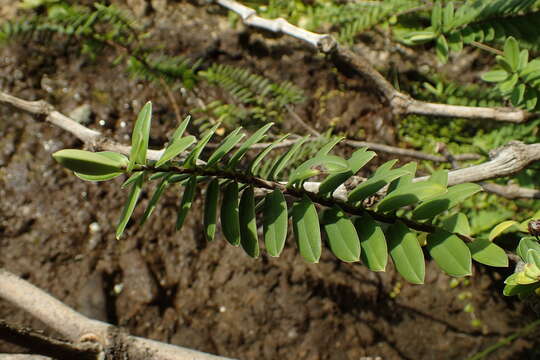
(400, 103)
(80, 330)
(505, 161)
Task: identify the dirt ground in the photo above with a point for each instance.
(58, 231)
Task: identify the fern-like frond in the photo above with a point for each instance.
(466, 95)
(102, 23)
(352, 18)
(251, 88)
(524, 27)
(168, 68)
(478, 10)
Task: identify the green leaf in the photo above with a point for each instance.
(382, 176)
(437, 16)
(419, 37)
(487, 253)
(116, 157)
(531, 68)
(523, 59)
(282, 162)
(448, 17)
(133, 178)
(441, 48)
(511, 52)
(306, 229)
(230, 222)
(500, 228)
(262, 155)
(342, 236)
(495, 76)
(210, 209)
(89, 163)
(457, 223)
(455, 195)
(513, 290)
(97, 177)
(252, 140)
(525, 244)
(503, 62)
(331, 162)
(131, 202)
(248, 225)
(181, 129)
(139, 138)
(228, 143)
(192, 158)
(507, 86)
(358, 159)
(405, 179)
(406, 253)
(439, 177)
(155, 198)
(410, 194)
(450, 253)
(373, 243)
(455, 41)
(175, 148)
(187, 200)
(275, 222)
(328, 146)
(533, 257)
(530, 98)
(517, 95)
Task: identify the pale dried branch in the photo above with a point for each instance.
(23, 357)
(91, 138)
(400, 103)
(511, 191)
(43, 345)
(79, 329)
(504, 161)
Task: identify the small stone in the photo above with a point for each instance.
(139, 284)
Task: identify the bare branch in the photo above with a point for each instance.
(90, 137)
(302, 123)
(23, 357)
(79, 329)
(511, 191)
(505, 161)
(43, 345)
(400, 103)
(408, 152)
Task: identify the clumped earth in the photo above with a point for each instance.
(58, 231)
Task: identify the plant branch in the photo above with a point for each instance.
(506, 160)
(44, 345)
(401, 104)
(511, 191)
(23, 357)
(339, 197)
(80, 329)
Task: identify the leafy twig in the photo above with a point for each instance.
(506, 160)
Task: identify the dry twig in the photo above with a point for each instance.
(79, 329)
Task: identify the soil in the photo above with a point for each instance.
(57, 231)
